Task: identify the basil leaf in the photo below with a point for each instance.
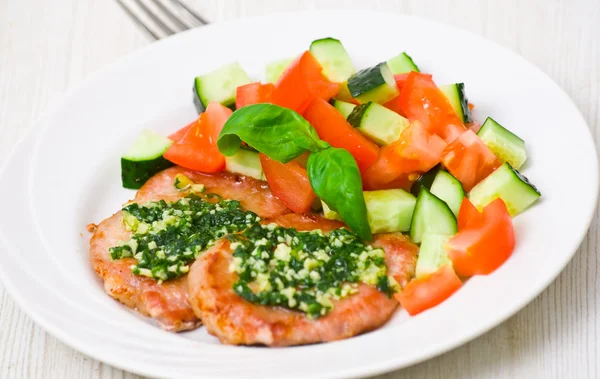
(335, 178)
(278, 132)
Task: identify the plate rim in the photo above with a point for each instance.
(373, 369)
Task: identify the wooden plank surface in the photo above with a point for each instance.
(46, 47)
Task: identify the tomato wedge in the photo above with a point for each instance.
(394, 104)
(373, 182)
(216, 116)
(332, 127)
(253, 93)
(467, 214)
(428, 291)
(289, 182)
(473, 126)
(420, 99)
(302, 81)
(469, 159)
(485, 242)
(178, 135)
(197, 149)
(401, 79)
(416, 151)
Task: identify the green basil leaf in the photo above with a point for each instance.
(335, 178)
(278, 132)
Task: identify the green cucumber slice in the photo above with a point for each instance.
(220, 85)
(374, 84)
(344, 93)
(380, 124)
(425, 180)
(144, 159)
(455, 93)
(245, 162)
(344, 107)
(432, 254)
(507, 146)
(509, 185)
(402, 64)
(336, 63)
(387, 210)
(432, 215)
(448, 188)
(274, 70)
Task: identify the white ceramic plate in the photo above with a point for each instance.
(65, 174)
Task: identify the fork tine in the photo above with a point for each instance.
(155, 18)
(139, 22)
(170, 14)
(195, 15)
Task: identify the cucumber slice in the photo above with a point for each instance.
(432, 254)
(245, 162)
(144, 159)
(426, 180)
(344, 93)
(374, 84)
(336, 63)
(432, 215)
(448, 188)
(402, 64)
(220, 85)
(344, 107)
(456, 95)
(274, 70)
(330, 213)
(389, 210)
(509, 185)
(507, 146)
(380, 124)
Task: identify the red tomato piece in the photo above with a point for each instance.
(302, 81)
(420, 99)
(485, 243)
(473, 126)
(469, 159)
(387, 178)
(416, 151)
(178, 135)
(302, 159)
(401, 79)
(289, 182)
(467, 214)
(394, 104)
(332, 127)
(428, 291)
(216, 116)
(253, 93)
(194, 151)
(197, 149)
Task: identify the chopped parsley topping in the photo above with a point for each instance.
(304, 270)
(167, 237)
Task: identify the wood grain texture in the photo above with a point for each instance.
(47, 47)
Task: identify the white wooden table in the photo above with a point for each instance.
(46, 47)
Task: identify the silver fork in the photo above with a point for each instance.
(162, 18)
